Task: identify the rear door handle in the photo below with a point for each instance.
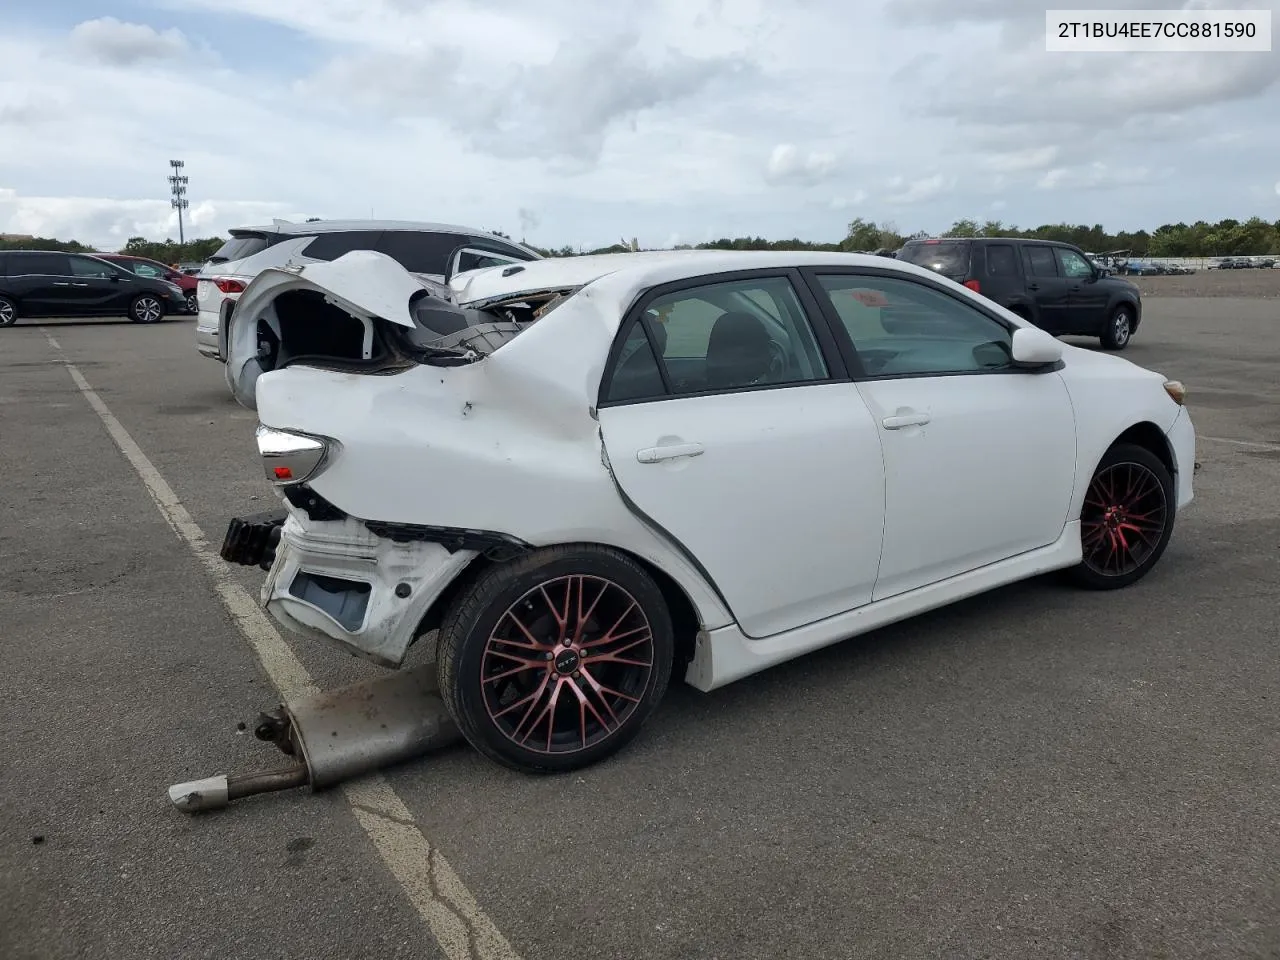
(1033, 286)
(60, 283)
(670, 451)
(905, 420)
(79, 284)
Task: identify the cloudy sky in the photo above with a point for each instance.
(568, 121)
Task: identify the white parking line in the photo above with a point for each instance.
(457, 922)
(1259, 445)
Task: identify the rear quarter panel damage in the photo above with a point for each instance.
(508, 444)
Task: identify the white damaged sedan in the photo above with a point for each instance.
(586, 473)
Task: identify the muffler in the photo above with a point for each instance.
(336, 736)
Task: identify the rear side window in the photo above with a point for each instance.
(419, 251)
(948, 257)
(1040, 261)
(331, 246)
(636, 375)
(1002, 261)
(39, 264)
(736, 335)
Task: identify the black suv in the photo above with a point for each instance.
(49, 283)
(1049, 283)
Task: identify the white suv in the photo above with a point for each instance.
(435, 251)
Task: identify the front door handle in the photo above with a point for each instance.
(60, 283)
(905, 420)
(1033, 286)
(79, 284)
(670, 451)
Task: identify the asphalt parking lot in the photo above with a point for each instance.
(1038, 772)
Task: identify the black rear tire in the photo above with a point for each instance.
(8, 312)
(1127, 518)
(506, 600)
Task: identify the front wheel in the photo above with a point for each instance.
(554, 661)
(1127, 518)
(1119, 329)
(146, 309)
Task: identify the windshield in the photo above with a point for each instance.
(948, 257)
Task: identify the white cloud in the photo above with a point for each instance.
(852, 200)
(1031, 158)
(578, 123)
(107, 224)
(787, 164)
(1093, 176)
(124, 44)
(918, 191)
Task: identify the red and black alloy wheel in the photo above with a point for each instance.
(1127, 517)
(554, 661)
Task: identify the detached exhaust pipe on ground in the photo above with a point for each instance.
(337, 736)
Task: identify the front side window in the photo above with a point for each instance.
(1072, 264)
(738, 335)
(87, 267)
(421, 251)
(470, 259)
(902, 328)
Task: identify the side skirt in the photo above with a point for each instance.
(724, 655)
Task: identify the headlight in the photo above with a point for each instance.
(1176, 391)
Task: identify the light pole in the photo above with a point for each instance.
(178, 190)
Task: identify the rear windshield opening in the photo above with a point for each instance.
(948, 257)
(307, 328)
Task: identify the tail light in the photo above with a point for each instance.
(290, 457)
(229, 284)
(973, 285)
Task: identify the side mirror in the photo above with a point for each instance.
(1032, 347)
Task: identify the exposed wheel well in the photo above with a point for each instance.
(1150, 437)
(684, 616)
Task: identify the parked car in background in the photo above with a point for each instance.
(51, 283)
(432, 250)
(1051, 284)
(145, 267)
(191, 267)
(570, 471)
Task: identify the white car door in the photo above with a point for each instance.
(748, 449)
(980, 456)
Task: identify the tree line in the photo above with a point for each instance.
(1226, 238)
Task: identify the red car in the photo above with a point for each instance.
(144, 267)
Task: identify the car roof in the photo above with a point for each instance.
(631, 273)
(289, 227)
